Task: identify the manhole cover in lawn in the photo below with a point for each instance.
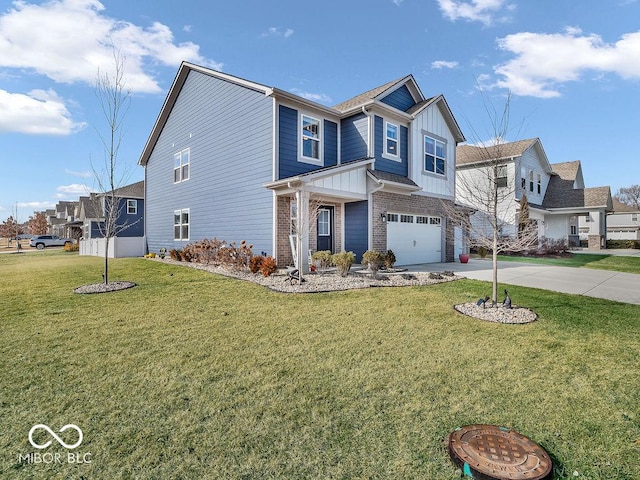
(491, 452)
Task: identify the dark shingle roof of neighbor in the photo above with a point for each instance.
(365, 97)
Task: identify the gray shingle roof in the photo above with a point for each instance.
(135, 190)
(558, 196)
(366, 97)
(567, 171)
(392, 177)
(469, 154)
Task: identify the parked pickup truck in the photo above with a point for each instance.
(41, 241)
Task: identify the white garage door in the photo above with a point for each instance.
(414, 238)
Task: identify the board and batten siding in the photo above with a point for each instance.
(354, 137)
(229, 131)
(289, 164)
(529, 161)
(431, 122)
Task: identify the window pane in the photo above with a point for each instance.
(185, 172)
(310, 127)
(176, 160)
(440, 166)
(392, 147)
(429, 146)
(185, 156)
(185, 232)
(185, 216)
(176, 232)
(429, 164)
(310, 148)
(323, 222)
(176, 175)
(392, 131)
(440, 152)
(176, 218)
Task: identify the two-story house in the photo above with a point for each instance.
(556, 193)
(237, 160)
(128, 222)
(623, 223)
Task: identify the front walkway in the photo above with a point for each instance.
(621, 287)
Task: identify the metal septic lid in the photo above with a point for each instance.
(491, 452)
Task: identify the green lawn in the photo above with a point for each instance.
(588, 260)
(192, 375)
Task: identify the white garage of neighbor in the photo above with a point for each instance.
(414, 238)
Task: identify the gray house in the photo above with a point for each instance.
(237, 160)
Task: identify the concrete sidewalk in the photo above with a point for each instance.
(621, 287)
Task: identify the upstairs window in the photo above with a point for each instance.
(434, 155)
(181, 224)
(501, 176)
(391, 139)
(310, 138)
(539, 184)
(181, 166)
(132, 207)
(634, 217)
(531, 180)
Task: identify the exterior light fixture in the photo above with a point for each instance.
(383, 216)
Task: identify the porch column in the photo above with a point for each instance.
(304, 229)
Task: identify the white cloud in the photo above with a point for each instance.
(278, 32)
(483, 11)
(36, 206)
(38, 112)
(440, 64)
(73, 190)
(314, 97)
(544, 62)
(69, 40)
(86, 174)
(397, 2)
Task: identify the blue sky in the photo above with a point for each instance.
(572, 67)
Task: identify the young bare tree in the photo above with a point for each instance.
(114, 99)
(629, 196)
(487, 186)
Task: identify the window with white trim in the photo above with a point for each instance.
(574, 230)
(634, 217)
(501, 176)
(435, 155)
(392, 217)
(181, 224)
(181, 165)
(392, 136)
(406, 218)
(423, 220)
(435, 220)
(539, 183)
(132, 206)
(531, 180)
(324, 222)
(311, 137)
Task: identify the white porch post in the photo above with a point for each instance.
(304, 229)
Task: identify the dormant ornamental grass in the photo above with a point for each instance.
(193, 375)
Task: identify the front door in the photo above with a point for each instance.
(325, 228)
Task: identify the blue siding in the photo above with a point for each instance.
(288, 143)
(354, 138)
(384, 164)
(288, 164)
(400, 99)
(356, 228)
(130, 225)
(229, 131)
(330, 143)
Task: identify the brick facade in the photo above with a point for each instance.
(384, 202)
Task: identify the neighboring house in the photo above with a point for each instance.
(622, 224)
(129, 222)
(236, 160)
(58, 219)
(556, 193)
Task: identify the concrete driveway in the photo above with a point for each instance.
(621, 287)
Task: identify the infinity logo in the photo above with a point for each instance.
(58, 439)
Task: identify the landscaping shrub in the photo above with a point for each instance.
(373, 260)
(174, 253)
(218, 253)
(623, 244)
(321, 259)
(268, 266)
(255, 264)
(343, 262)
(552, 246)
(389, 259)
(71, 247)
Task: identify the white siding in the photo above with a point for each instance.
(431, 121)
